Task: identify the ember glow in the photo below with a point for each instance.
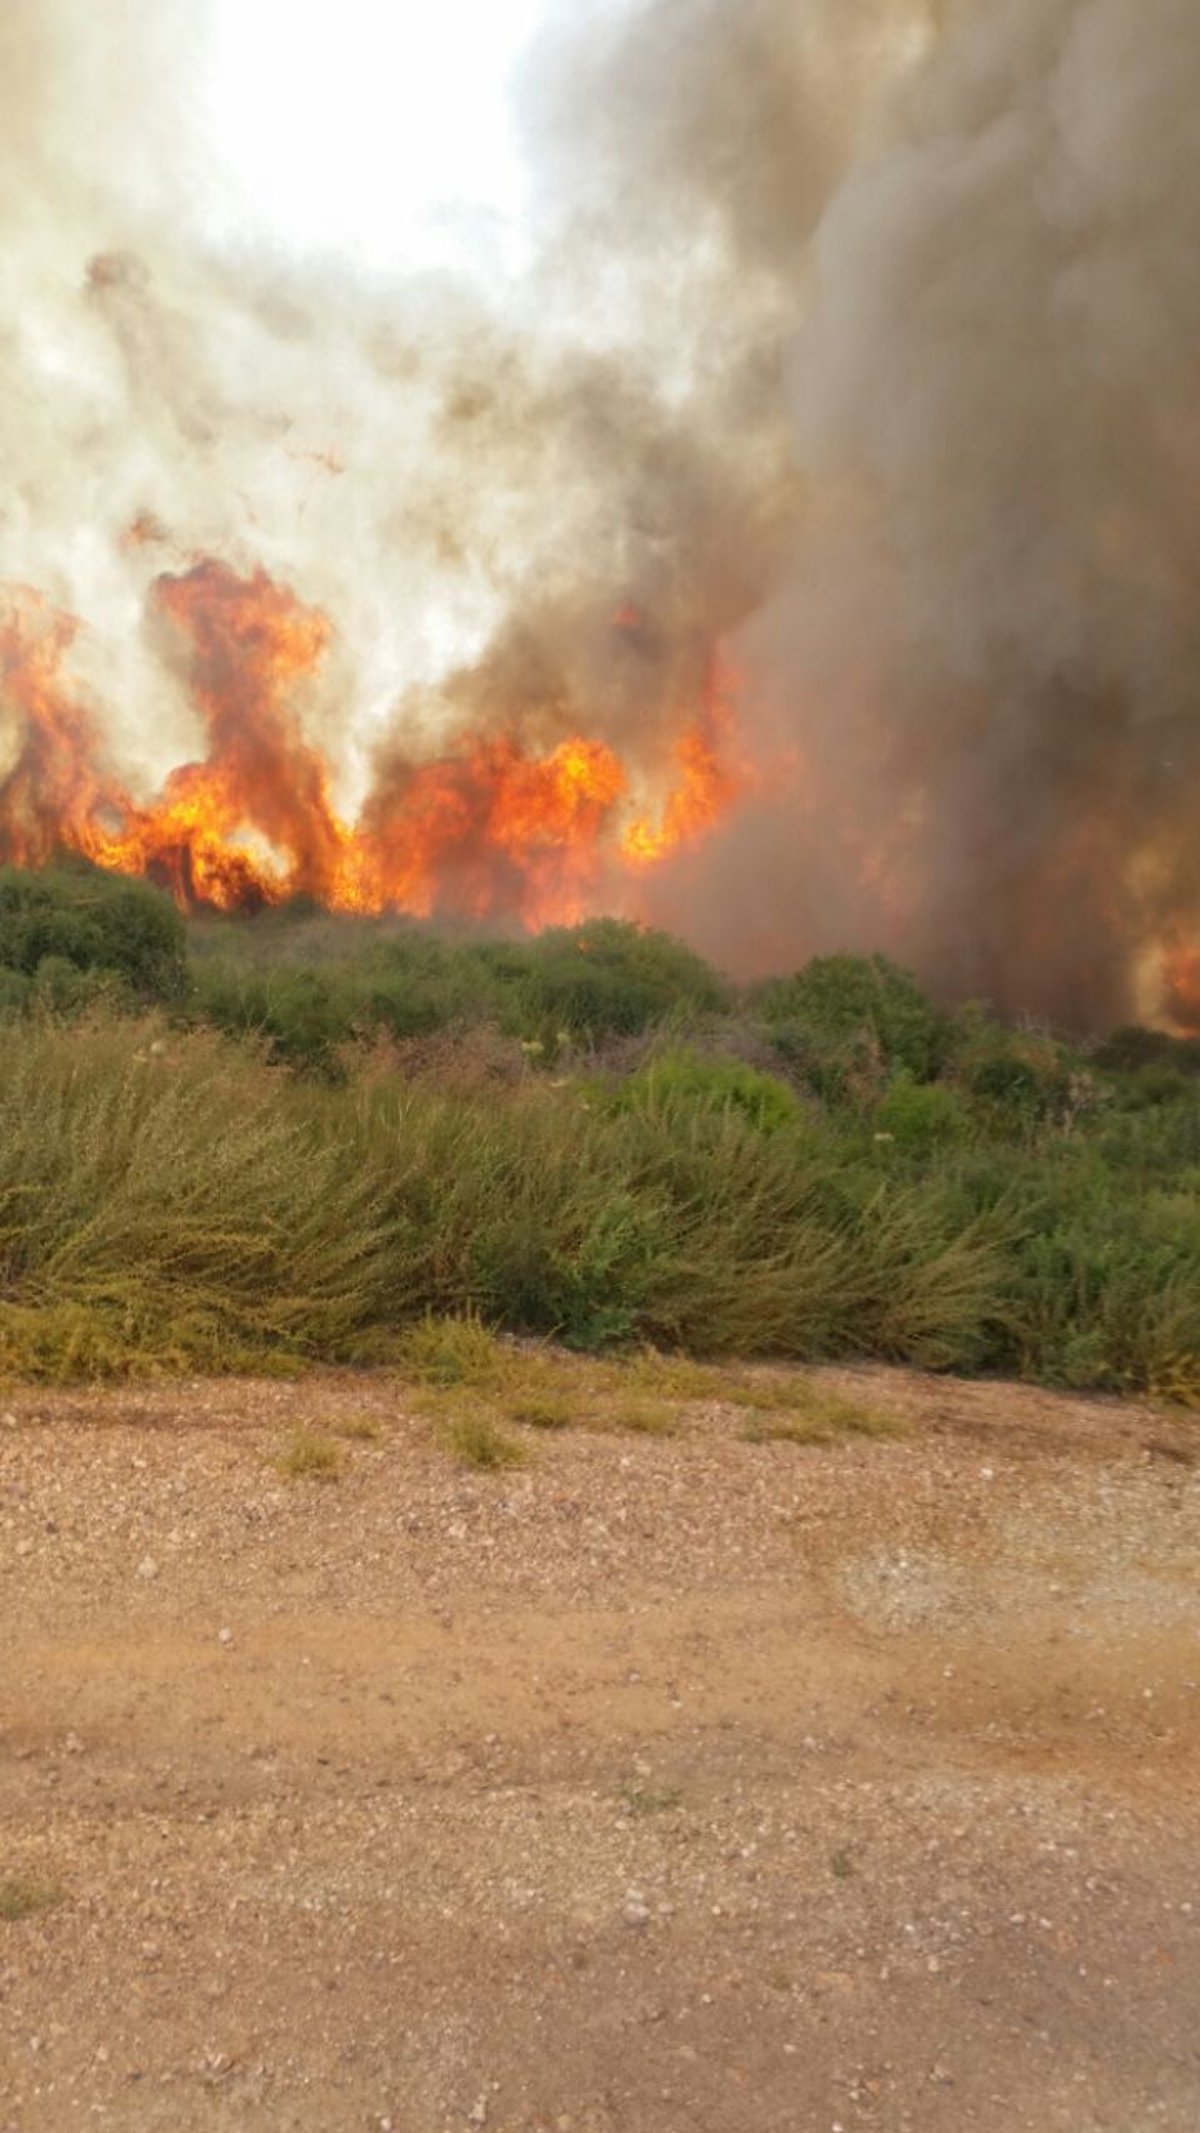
(484, 829)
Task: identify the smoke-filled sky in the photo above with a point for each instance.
(793, 399)
(420, 160)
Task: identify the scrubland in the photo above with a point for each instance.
(263, 1144)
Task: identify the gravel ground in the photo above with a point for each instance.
(662, 1786)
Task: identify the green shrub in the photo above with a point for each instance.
(63, 988)
(309, 988)
(15, 993)
(1129, 1050)
(686, 1077)
(1149, 1087)
(79, 917)
(1105, 1291)
(853, 1006)
(1015, 1080)
(608, 978)
(922, 1117)
(478, 1441)
(451, 1351)
(303, 1017)
(310, 1457)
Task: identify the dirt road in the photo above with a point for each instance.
(663, 1786)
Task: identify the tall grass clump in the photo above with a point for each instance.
(170, 1203)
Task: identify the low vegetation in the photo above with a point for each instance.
(21, 1898)
(817, 1417)
(541, 1411)
(263, 1145)
(479, 1441)
(310, 1457)
(359, 1429)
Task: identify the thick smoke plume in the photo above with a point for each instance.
(803, 555)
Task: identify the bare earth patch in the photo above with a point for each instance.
(719, 1781)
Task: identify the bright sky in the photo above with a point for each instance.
(381, 128)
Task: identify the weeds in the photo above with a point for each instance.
(359, 1429)
(478, 1441)
(543, 1412)
(652, 1799)
(21, 1898)
(447, 1352)
(674, 1377)
(816, 1417)
(639, 1419)
(310, 1457)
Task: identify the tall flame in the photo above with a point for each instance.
(486, 828)
(707, 785)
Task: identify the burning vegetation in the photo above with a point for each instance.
(487, 830)
(802, 556)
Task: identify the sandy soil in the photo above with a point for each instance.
(684, 1786)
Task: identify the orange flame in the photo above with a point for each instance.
(55, 793)
(707, 785)
(488, 829)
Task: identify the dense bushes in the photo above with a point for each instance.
(174, 1202)
(329, 985)
(170, 1200)
(586, 1135)
(73, 932)
(844, 1018)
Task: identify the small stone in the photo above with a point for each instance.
(479, 2116)
(73, 1745)
(224, 1636)
(637, 1910)
(25, 1547)
(147, 1568)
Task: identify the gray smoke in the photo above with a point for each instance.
(987, 642)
